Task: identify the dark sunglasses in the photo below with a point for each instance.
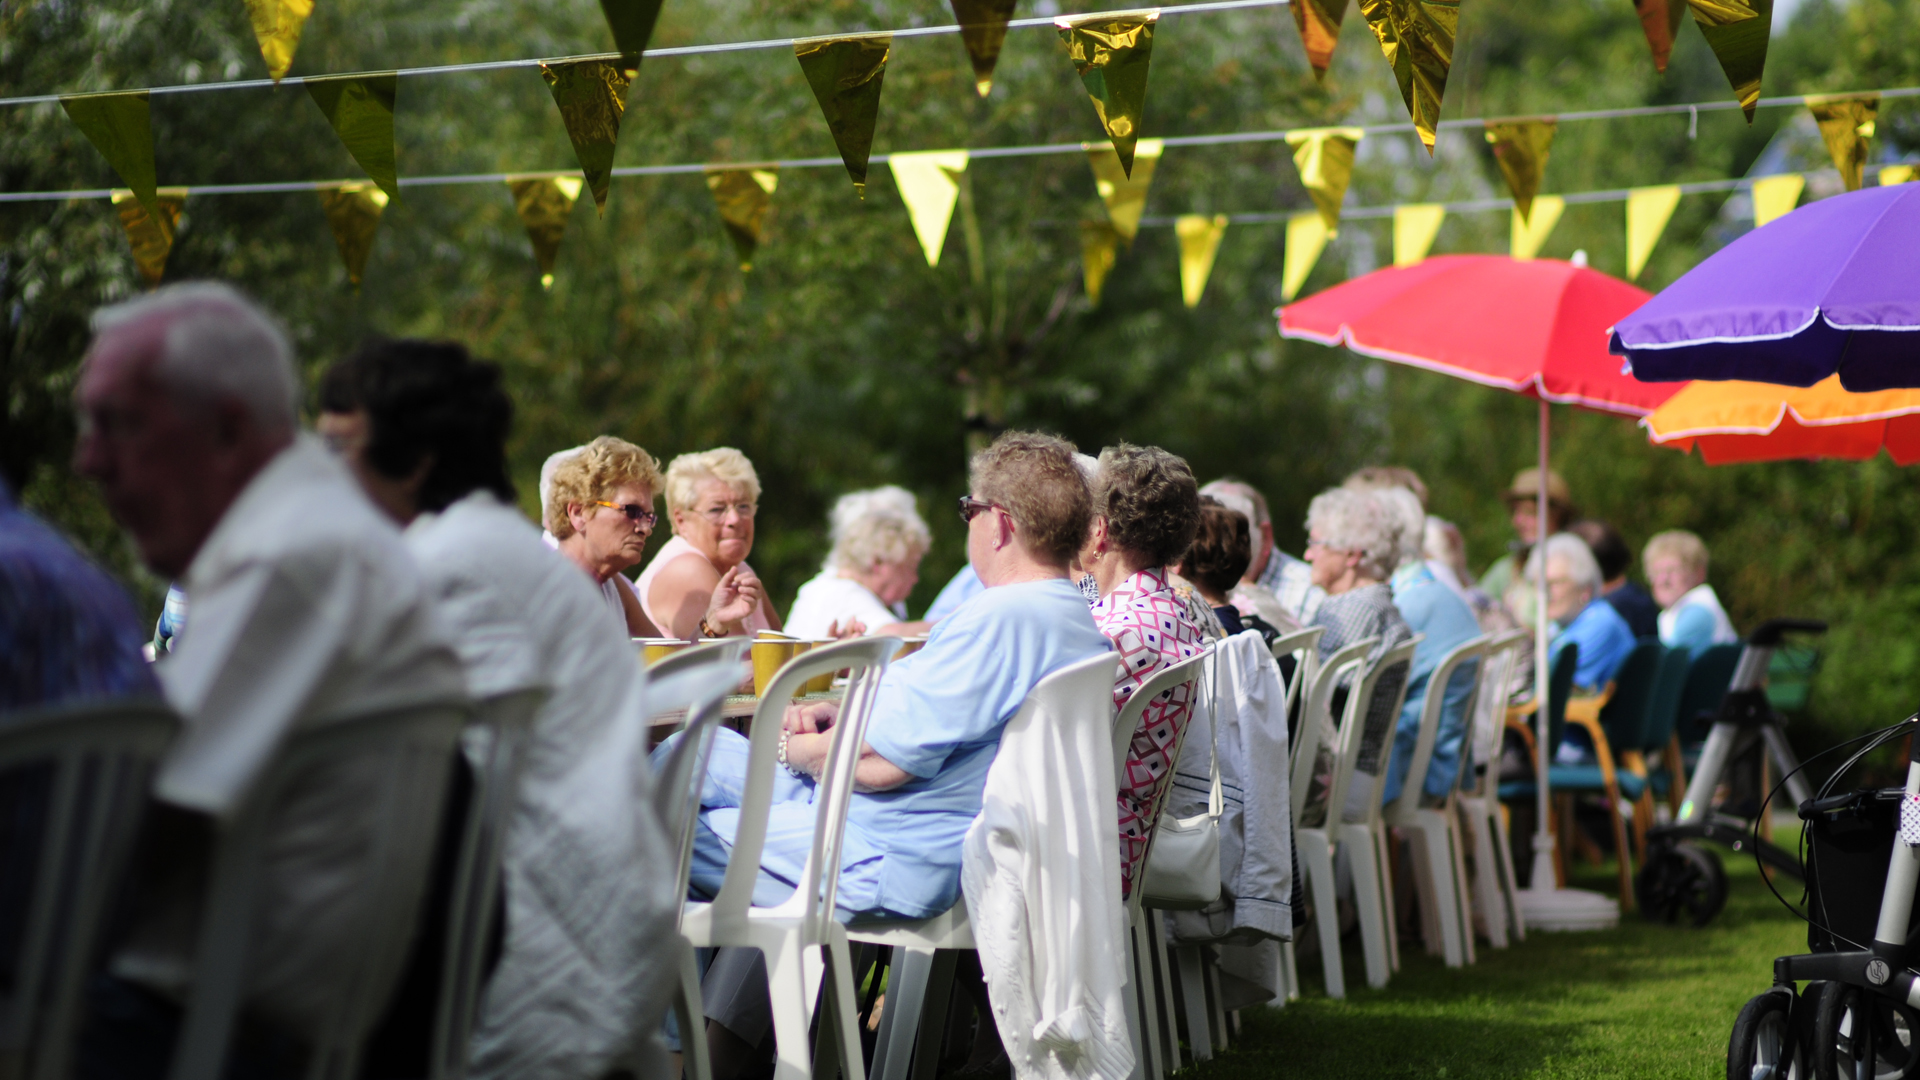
(971, 507)
(635, 512)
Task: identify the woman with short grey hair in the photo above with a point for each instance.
(1353, 544)
(878, 541)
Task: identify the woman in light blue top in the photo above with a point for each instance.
(1690, 613)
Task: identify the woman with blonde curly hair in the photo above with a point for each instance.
(712, 497)
(878, 541)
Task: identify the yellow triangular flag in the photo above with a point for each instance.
(1896, 174)
(1776, 196)
(120, 126)
(1648, 209)
(1199, 243)
(360, 108)
(1099, 247)
(845, 74)
(1414, 228)
(743, 196)
(983, 29)
(1319, 24)
(1324, 157)
(353, 211)
(1520, 148)
(276, 26)
(592, 97)
(1125, 196)
(1306, 237)
(1846, 124)
(544, 203)
(1737, 32)
(1530, 233)
(151, 237)
(1112, 53)
(929, 184)
(1416, 37)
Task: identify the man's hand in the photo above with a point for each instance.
(811, 718)
(854, 628)
(735, 598)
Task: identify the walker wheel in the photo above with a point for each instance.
(1837, 1055)
(1681, 879)
(1762, 1046)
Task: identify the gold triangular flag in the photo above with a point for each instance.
(1306, 238)
(544, 203)
(743, 196)
(151, 236)
(1324, 157)
(1414, 227)
(983, 28)
(1111, 54)
(1417, 38)
(1648, 209)
(353, 211)
(845, 73)
(1530, 233)
(1520, 149)
(1099, 247)
(1125, 195)
(276, 26)
(1199, 243)
(360, 108)
(632, 24)
(1776, 196)
(592, 97)
(929, 183)
(1319, 25)
(1737, 31)
(120, 126)
(1896, 174)
(1846, 124)
(1660, 22)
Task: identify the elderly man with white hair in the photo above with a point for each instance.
(306, 609)
(879, 539)
(1580, 617)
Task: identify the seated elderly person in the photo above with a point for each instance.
(878, 541)
(1523, 510)
(1579, 616)
(935, 728)
(615, 588)
(1214, 563)
(588, 911)
(1691, 617)
(307, 609)
(1610, 550)
(712, 497)
(601, 511)
(1277, 586)
(1146, 507)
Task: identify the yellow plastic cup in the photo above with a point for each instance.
(658, 649)
(769, 656)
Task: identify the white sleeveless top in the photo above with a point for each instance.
(672, 550)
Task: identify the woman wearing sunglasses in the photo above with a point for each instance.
(601, 512)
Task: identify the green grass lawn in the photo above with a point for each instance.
(1642, 1001)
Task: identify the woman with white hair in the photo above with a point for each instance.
(878, 542)
(1579, 616)
(1691, 617)
(1353, 545)
(712, 497)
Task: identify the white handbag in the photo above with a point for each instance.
(1183, 867)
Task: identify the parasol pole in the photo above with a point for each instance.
(1543, 876)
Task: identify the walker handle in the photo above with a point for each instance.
(1773, 631)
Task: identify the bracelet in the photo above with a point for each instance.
(781, 757)
(707, 630)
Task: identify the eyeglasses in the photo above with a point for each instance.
(971, 507)
(635, 512)
(717, 514)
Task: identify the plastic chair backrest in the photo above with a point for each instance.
(1624, 716)
(1708, 677)
(1304, 647)
(495, 745)
(1490, 710)
(93, 764)
(1366, 734)
(1315, 716)
(1559, 692)
(402, 759)
(865, 660)
(1192, 673)
(1663, 705)
(698, 689)
(1430, 707)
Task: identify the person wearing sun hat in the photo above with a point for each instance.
(1523, 508)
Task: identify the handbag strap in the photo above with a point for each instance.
(1216, 802)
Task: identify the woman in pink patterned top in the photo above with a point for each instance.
(1146, 508)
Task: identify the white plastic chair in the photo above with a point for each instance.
(1373, 711)
(1439, 872)
(788, 933)
(925, 952)
(1304, 646)
(413, 750)
(1495, 889)
(1315, 842)
(495, 746)
(696, 683)
(96, 761)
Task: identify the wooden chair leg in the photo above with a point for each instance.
(1677, 769)
(1622, 851)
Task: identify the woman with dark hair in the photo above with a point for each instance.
(1221, 551)
(590, 907)
(1146, 507)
